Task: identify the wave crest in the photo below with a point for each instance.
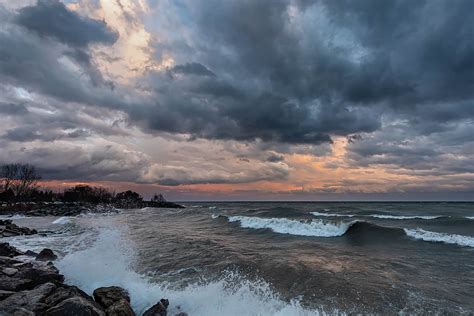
(421, 234)
(317, 228)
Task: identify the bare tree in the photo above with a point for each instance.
(20, 178)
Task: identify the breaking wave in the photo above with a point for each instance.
(381, 216)
(317, 228)
(62, 220)
(421, 234)
(110, 259)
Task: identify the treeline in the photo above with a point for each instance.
(19, 183)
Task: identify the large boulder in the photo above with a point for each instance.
(120, 308)
(76, 306)
(39, 272)
(30, 300)
(114, 300)
(64, 292)
(46, 255)
(9, 251)
(159, 309)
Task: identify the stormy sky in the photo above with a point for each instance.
(267, 99)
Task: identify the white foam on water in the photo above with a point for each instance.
(381, 216)
(109, 261)
(421, 234)
(332, 214)
(318, 228)
(62, 220)
(470, 217)
(15, 216)
(401, 217)
(214, 216)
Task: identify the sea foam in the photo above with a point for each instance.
(62, 220)
(110, 260)
(316, 228)
(381, 216)
(421, 234)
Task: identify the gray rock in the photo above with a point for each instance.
(64, 292)
(120, 308)
(159, 309)
(76, 306)
(5, 294)
(106, 296)
(15, 283)
(9, 271)
(28, 300)
(46, 255)
(8, 251)
(114, 300)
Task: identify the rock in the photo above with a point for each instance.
(30, 253)
(106, 296)
(76, 306)
(159, 309)
(114, 300)
(46, 255)
(40, 272)
(28, 300)
(15, 283)
(120, 308)
(64, 292)
(8, 229)
(5, 294)
(8, 261)
(9, 251)
(9, 271)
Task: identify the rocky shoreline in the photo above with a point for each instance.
(30, 284)
(74, 208)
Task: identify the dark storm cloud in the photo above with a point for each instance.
(286, 72)
(52, 18)
(12, 109)
(192, 69)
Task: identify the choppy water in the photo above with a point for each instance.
(274, 258)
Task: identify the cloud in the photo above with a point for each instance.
(52, 18)
(192, 69)
(278, 79)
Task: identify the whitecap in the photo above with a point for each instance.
(401, 217)
(62, 220)
(332, 214)
(110, 261)
(380, 216)
(316, 228)
(421, 234)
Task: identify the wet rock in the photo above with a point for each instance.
(5, 294)
(106, 296)
(159, 309)
(40, 272)
(15, 283)
(46, 255)
(9, 229)
(63, 292)
(30, 253)
(9, 271)
(76, 306)
(8, 251)
(30, 300)
(114, 300)
(120, 308)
